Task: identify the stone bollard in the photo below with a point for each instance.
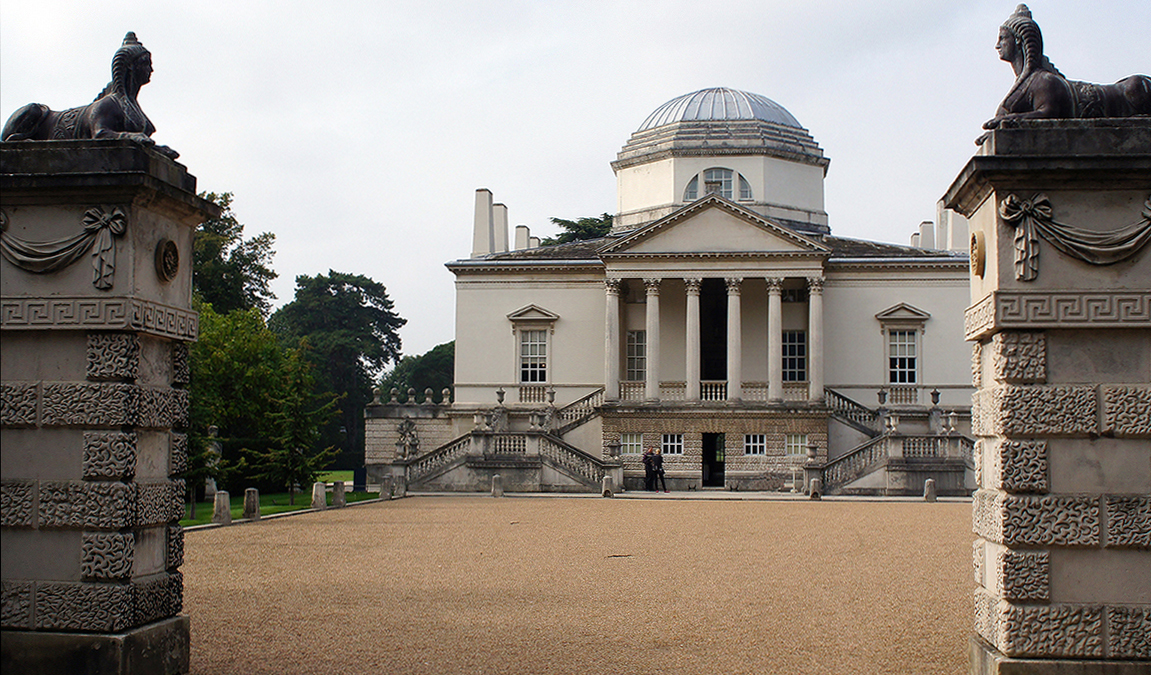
(929, 490)
(497, 486)
(815, 489)
(319, 495)
(252, 504)
(222, 508)
(339, 498)
(608, 487)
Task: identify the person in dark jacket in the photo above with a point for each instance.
(657, 468)
(649, 469)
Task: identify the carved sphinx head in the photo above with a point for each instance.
(131, 65)
(1018, 34)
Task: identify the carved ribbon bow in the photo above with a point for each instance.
(104, 225)
(1025, 215)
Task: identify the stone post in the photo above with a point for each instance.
(1060, 318)
(319, 495)
(339, 496)
(96, 289)
(929, 490)
(252, 504)
(607, 488)
(497, 485)
(222, 508)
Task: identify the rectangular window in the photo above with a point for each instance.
(795, 444)
(901, 357)
(755, 444)
(794, 356)
(631, 444)
(533, 356)
(636, 355)
(672, 444)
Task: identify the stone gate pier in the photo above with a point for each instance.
(96, 282)
(1060, 318)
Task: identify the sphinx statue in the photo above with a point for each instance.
(114, 114)
(1041, 91)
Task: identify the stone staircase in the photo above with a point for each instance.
(855, 415)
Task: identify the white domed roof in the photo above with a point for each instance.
(719, 103)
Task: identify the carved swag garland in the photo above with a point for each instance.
(1032, 218)
(100, 227)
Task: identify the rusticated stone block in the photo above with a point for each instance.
(1023, 575)
(1129, 631)
(1019, 357)
(1034, 410)
(93, 506)
(178, 454)
(1022, 466)
(977, 364)
(1036, 521)
(181, 368)
(174, 556)
(160, 503)
(16, 605)
(1127, 411)
(18, 403)
(109, 454)
(113, 356)
(163, 408)
(107, 555)
(17, 499)
(98, 608)
(93, 405)
(978, 554)
(1129, 522)
(977, 454)
(1053, 631)
(158, 597)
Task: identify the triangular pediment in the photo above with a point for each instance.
(903, 312)
(533, 313)
(713, 225)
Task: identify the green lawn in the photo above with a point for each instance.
(269, 504)
(334, 476)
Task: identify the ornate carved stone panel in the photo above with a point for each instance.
(1013, 410)
(160, 503)
(95, 506)
(109, 454)
(1051, 631)
(978, 555)
(977, 364)
(178, 454)
(163, 408)
(985, 616)
(1019, 357)
(93, 405)
(158, 597)
(16, 605)
(18, 403)
(17, 499)
(103, 607)
(181, 368)
(113, 356)
(1127, 410)
(1023, 575)
(1129, 631)
(174, 556)
(1021, 466)
(977, 455)
(107, 555)
(1129, 522)
(1036, 521)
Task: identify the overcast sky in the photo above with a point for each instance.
(358, 132)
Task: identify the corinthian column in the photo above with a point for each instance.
(692, 335)
(651, 386)
(611, 340)
(734, 341)
(774, 340)
(815, 339)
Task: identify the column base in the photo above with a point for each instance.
(160, 648)
(986, 660)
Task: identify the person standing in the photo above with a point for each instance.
(657, 468)
(649, 469)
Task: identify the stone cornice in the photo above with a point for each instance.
(876, 264)
(468, 267)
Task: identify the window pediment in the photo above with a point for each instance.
(903, 313)
(533, 316)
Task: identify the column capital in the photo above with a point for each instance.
(733, 285)
(815, 285)
(652, 286)
(774, 285)
(611, 286)
(692, 286)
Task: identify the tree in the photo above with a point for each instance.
(352, 330)
(580, 230)
(434, 369)
(229, 272)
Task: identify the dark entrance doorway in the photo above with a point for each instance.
(713, 330)
(713, 460)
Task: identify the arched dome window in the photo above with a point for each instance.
(717, 180)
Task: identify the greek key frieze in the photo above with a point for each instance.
(1021, 466)
(16, 605)
(1127, 410)
(1019, 357)
(1129, 631)
(18, 403)
(1060, 309)
(94, 506)
(113, 356)
(109, 454)
(116, 313)
(1023, 575)
(1129, 522)
(99, 607)
(17, 499)
(164, 320)
(107, 555)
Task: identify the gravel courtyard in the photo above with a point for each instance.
(541, 585)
